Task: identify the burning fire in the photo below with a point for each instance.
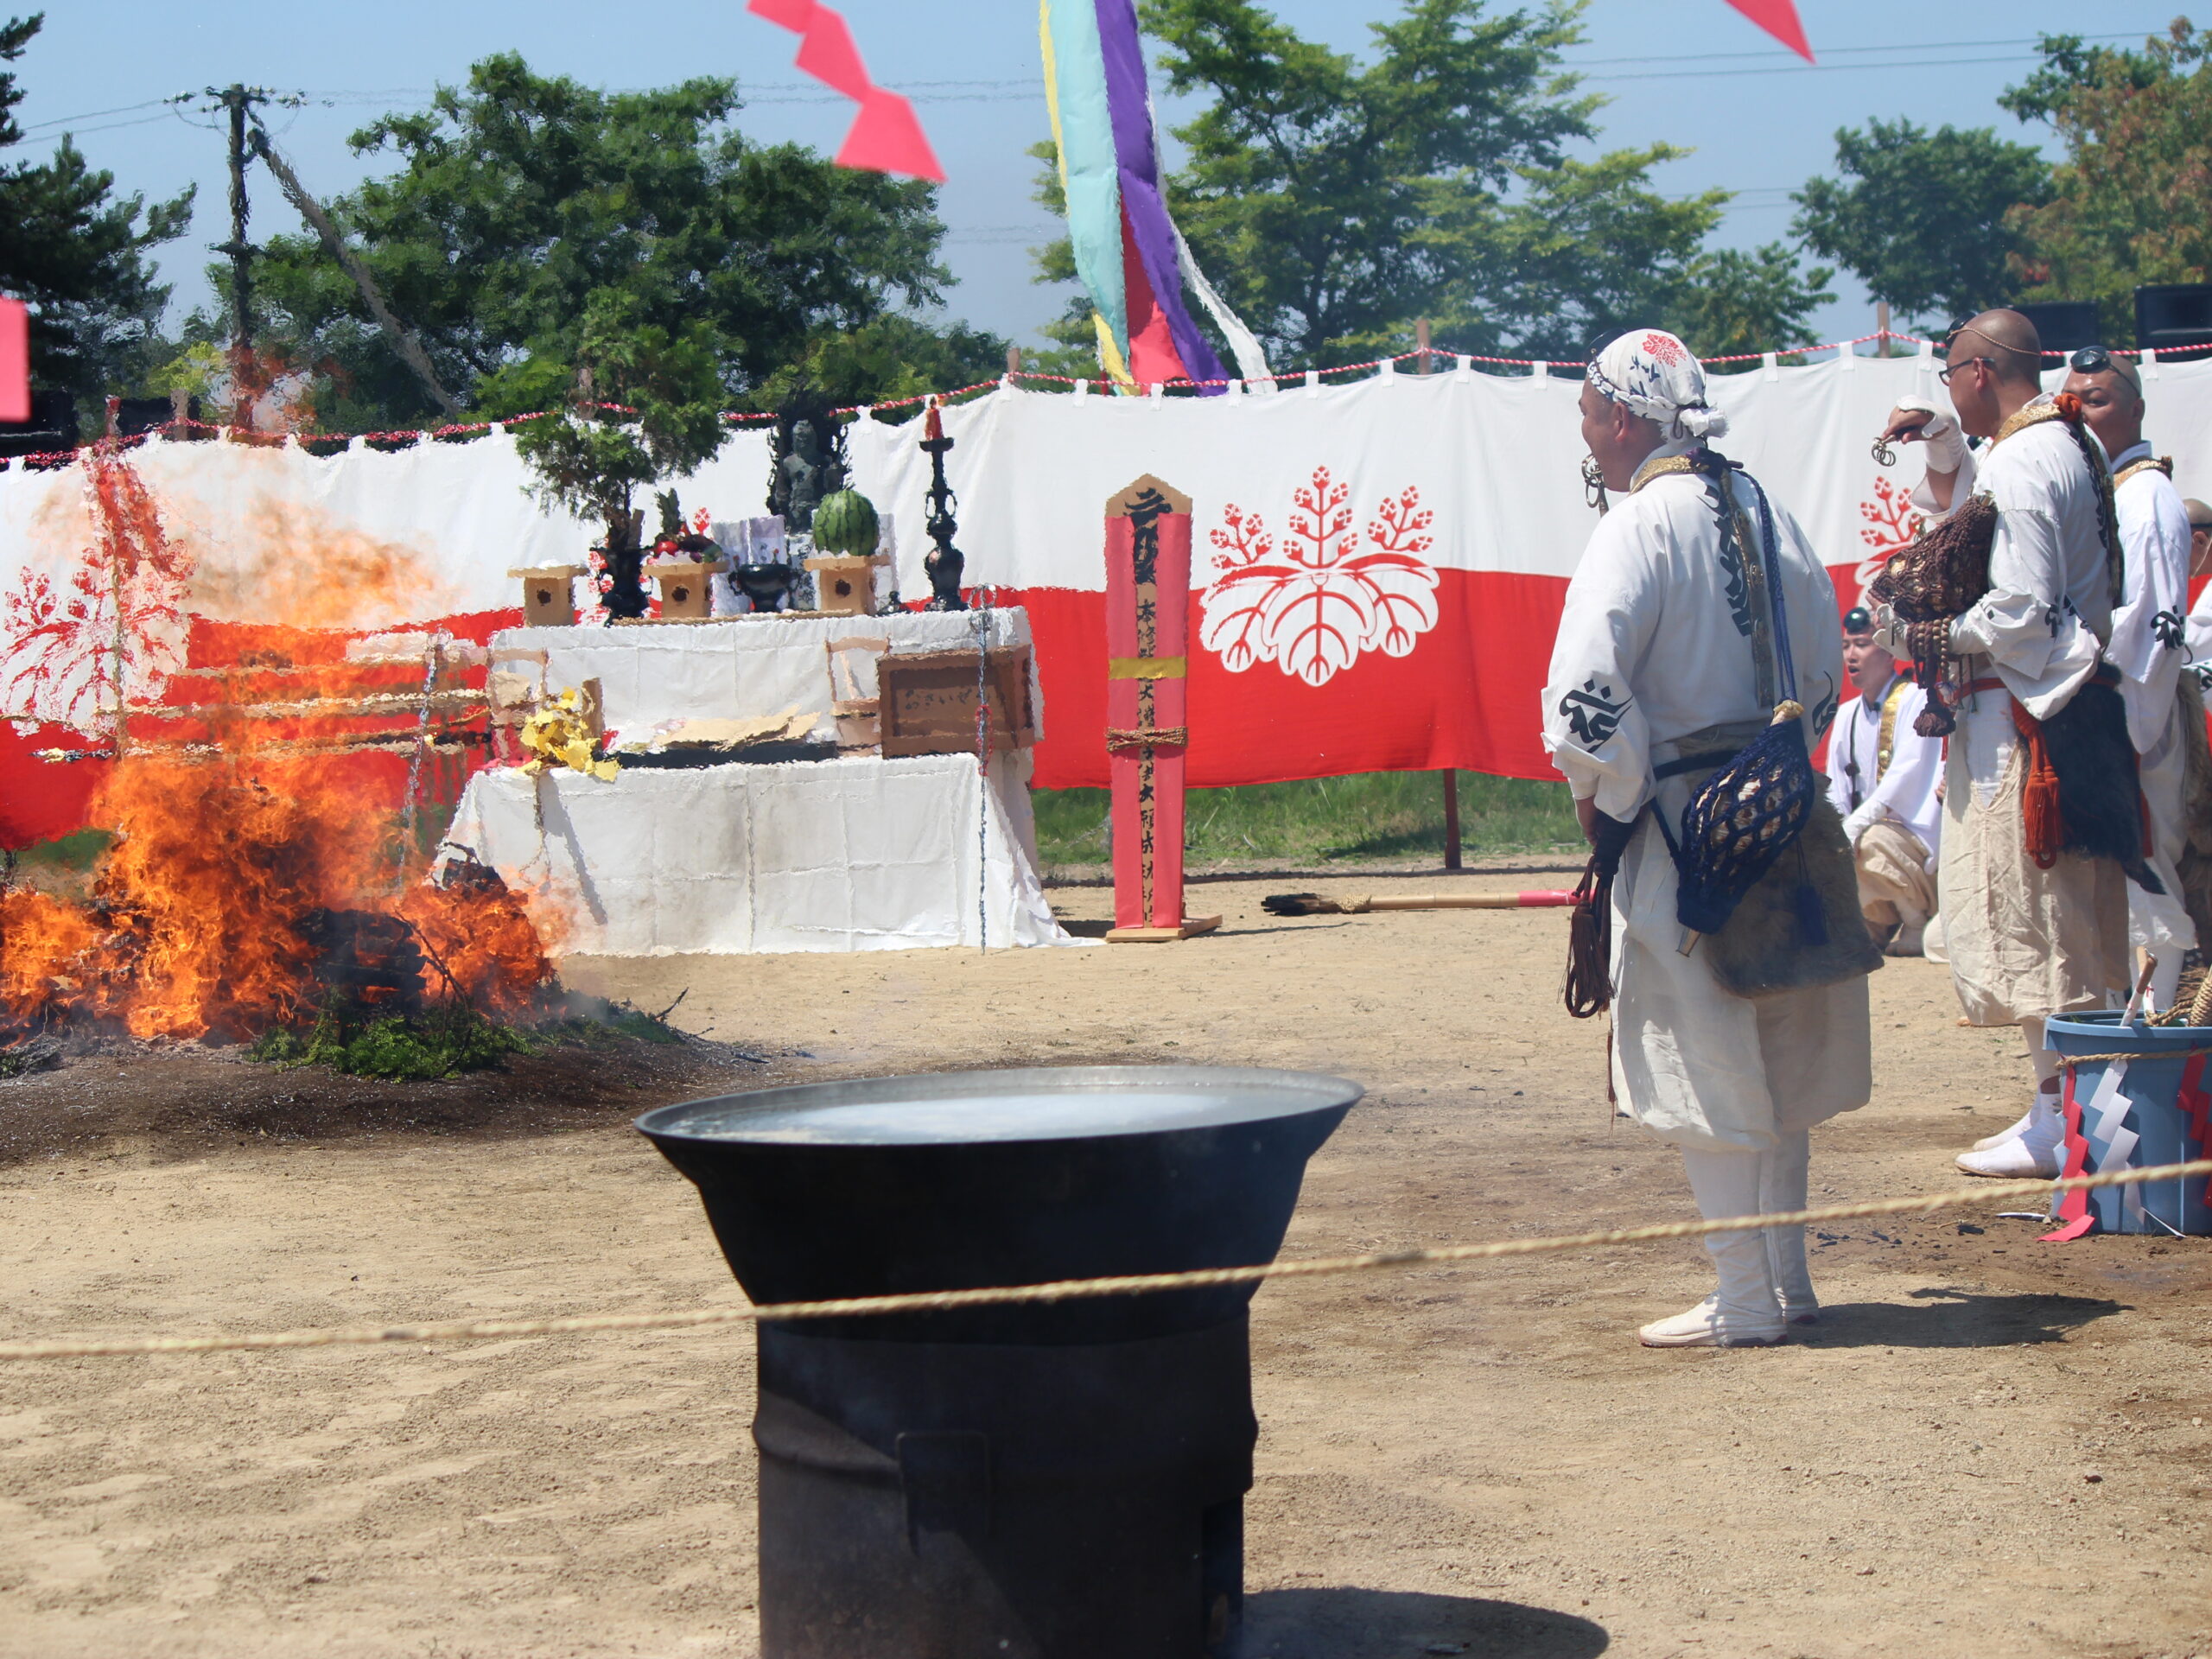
(244, 863)
(202, 916)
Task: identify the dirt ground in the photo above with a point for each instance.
(1990, 1446)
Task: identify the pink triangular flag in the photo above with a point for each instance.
(885, 137)
(793, 15)
(1779, 19)
(828, 53)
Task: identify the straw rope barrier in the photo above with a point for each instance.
(1066, 1290)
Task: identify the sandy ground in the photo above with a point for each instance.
(1990, 1446)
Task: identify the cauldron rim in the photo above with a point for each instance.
(1268, 1095)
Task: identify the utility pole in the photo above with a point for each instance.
(238, 99)
(1452, 861)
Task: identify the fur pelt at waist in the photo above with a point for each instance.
(2195, 864)
(1763, 951)
(2100, 791)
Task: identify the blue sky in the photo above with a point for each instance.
(1689, 71)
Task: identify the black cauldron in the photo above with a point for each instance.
(1038, 1481)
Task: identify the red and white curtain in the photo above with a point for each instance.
(1378, 566)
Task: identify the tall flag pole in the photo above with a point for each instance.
(1131, 258)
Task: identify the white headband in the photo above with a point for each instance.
(1651, 373)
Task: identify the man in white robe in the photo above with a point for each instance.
(2025, 943)
(1883, 779)
(1654, 666)
(2200, 564)
(2149, 644)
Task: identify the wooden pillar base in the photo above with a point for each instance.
(1193, 925)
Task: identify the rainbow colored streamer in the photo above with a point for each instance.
(1127, 252)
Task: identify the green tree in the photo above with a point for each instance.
(590, 458)
(1922, 217)
(77, 252)
(521, 200)
(1590, 249)
(1334, 201)
(2127, 205)
(1313, 180)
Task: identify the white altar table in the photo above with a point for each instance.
(854, 853)
(743, 667)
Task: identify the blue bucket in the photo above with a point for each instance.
(2155, 1112)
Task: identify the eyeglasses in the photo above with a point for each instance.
(1945, 373)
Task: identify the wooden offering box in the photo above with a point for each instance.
(928, 701)
(684, 593)
(844, 585)
(548, 598)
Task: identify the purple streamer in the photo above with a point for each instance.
(1129, 103)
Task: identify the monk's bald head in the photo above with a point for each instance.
(2008, 338)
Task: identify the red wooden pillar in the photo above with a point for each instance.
(1147, 707)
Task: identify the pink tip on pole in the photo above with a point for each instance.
(1779, 19)
(14, 360)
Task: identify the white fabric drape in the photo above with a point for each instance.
(848, 854)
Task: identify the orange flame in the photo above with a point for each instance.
(200, 915)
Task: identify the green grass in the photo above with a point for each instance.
(446, 1041)
(75, 855)
(1381, 815)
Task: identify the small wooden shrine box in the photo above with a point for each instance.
(547, 599)
(844, 584)
(685, 593)
(928, 701)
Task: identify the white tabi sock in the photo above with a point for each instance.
(1784, 1177)
(2034, 1153)
(1743, 1310)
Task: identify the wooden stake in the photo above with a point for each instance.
(1421, 341)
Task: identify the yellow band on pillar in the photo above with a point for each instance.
(1148, 668)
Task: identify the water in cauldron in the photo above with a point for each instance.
(1062, 1480)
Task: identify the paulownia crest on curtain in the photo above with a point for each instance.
(1312, 602)
(1891, 521)
(61, 635)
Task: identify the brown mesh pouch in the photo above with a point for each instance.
(1929, 584)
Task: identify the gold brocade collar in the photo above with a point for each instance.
(2021, 419)
(1661, 466)
(2160, 463)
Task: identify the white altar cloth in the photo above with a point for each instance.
(742, 669)
(854, 853)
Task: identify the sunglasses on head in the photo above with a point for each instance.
(2096, 360)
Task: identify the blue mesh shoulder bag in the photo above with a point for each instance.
(1745, 817)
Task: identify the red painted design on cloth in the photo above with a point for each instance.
(1665, 347)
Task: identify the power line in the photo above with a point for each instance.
(1897, 65)
(1785, 59)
